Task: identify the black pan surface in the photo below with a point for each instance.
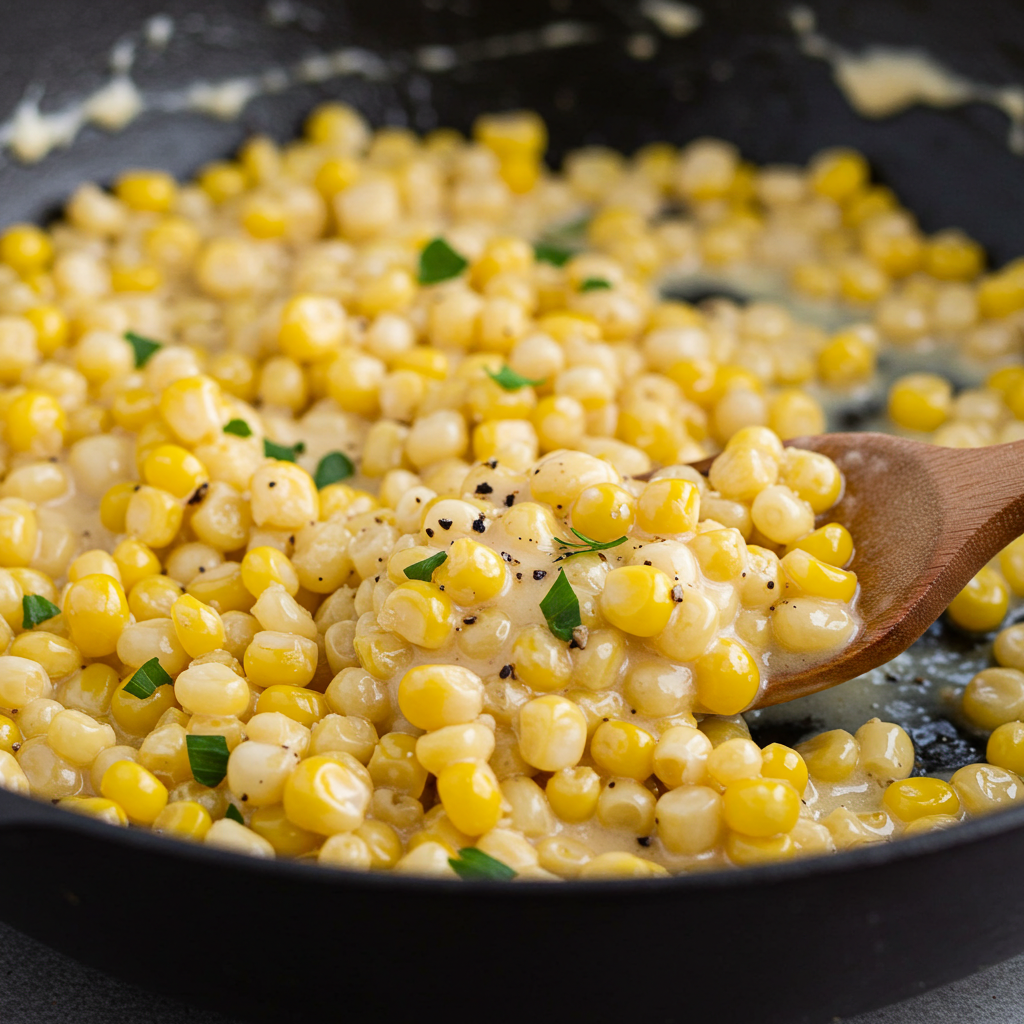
(797, 942)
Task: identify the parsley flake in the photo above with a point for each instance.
(425, 570)
(143, 348)
(208, 758)
(595, 284)
(585, 545)
(561, 608)
(238, 427)
(146, 680)
(334, 466)
(234, 814)
(556, 255)
(35, 609)
(283, 452)
(440, 262)
(474, 864)
(509, 380)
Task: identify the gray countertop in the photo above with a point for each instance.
(38, 986)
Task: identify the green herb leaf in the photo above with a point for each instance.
(146, 680)
(208, 758)
(472, 863)
(594, 284)
(425, 569)
(508, 379)
(144, 347)
(585, 545)
(234, 814)
(561, 608)
(283, 452)
(440, 262)
(238, 427)
(556, 255)
(35, 609)
(334, 466)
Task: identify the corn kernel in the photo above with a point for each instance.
(910, 799)
(624, 749)
(727, 677)
(981, 606)
(761, 807)
(140, 793)
(637, 599)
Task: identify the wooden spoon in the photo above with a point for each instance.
(924, 520)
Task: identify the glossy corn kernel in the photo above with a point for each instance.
(781, 762)
(667, 507)
(747, 851)
(327, 795)
(846, 360)
(761, 807)
(920, 401)
(134, 562)
(984, 788)
(287, 839)
(153, 516)
(301, 705)
(280, 658)
(637, 599)
(831, 544)
(96, 611)
(138, 716)
(727, 677)
(831, 756)
(552, 733)
(909, 799)
(623, 749)
(263, 566)
(838, 174)
(603, 512)
(472, 573)
(174, 469)
(420, 613)
(198, 627)
(573, 793)
(981, 606)
(471, 797)
(140, 793)
(184, 819)
(810, 575)
(96, 807)
(434, 696)
(152, 191)
(36, 423)
(1005, 747)
(26, 248)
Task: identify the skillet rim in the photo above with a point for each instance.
(872, 856)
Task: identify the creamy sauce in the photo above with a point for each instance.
(882, 81)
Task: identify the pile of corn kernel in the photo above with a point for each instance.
(165, 503)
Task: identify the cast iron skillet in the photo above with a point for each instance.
(802, 941)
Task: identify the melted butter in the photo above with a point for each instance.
(883, 80)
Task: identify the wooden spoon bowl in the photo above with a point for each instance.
(924, 521)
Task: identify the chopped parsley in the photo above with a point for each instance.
(440, 262)
(146, 680)
(509, 380)
(561, 608)
(238, 427)
(35, 609)
(208, 758)
(143, 348)
(334, 466)
(425, 570)
(474, 864)
(283, 452)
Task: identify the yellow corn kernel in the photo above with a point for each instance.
(722, 554)
(920, 401)
(541, 661)
(1000, 295)
(470, 796)
(153, 597)
(761, 807)
(669, 506)
(114, 505)
(637, 599)
(981, 606)
(26, 248)
(421, 359)
(513, 133)
(624, 749)
(814, 477)
(193, 408)
(153, 516)
(603, 512)
(198, 627)
(222, 180)
(301, 705)
(312, 327)
(727, 677)
(393, 765)
(747, 851)
(96, 611)
(263, 566)
(552, 733)
(133, 408)
(221, 588)
(235, 373)
(436, 750)
(35, 423)
(781, 762)
(434, 696)
(134, 562)
(287, 839)
(153, 191)
(838, 174)
(952, 256)
(174, 469)
(19, 532)
(831, 756)
(1005, 747)
(173, 243)
(139, 715)
(142, 795)
(283, 658)
(51, 328)
(184, 819)
(96, 807)
(472, 573)
(142, 277)
(819, 579)
(419, 612)
(573, 793)
(910, 799)
(327, 795)
(847, 359)
(10, 735)
(831, 544)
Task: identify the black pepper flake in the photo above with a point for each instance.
(507, 557)
(677, 593)
(202, 568)
(506, 671)
(743, 574)
(484, 488)
(445, 524)
(632, 711)
(429, 532)
(611, 785)
(479, 525)
(198, 494)
(137, 487)
(772, 608)
(539, 574)
(273, 483)
(644, 841)
(245, 796)
(291, 539)
(469, 621)
(510, 500)
(771, 584)
(15, 747)
(493, 463)
(647, 561)
(519, 575)
(889, 678)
